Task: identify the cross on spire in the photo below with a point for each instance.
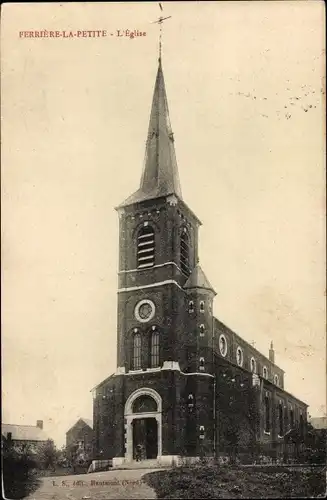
(160, 22)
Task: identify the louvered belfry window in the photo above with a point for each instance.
(185, 253)
(145, 247)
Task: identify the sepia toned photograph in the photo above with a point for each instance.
(163, 250)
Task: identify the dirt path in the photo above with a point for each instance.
(118, 484)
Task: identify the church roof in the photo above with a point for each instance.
(160, 173)
(198, 279)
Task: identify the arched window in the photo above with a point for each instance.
(265, 372)
(190, 401)
(145, 247)
(239, 356)
(202, 329)
(202, 306)
(185, 252)
(267, 414)
(144, 404)
(137, 351)
(276, 379)
(291, 418)
(281, 419)
(301, 426)
(154, 349)
(223, 345)
(191, 306)
(201, 364)
(253, 365)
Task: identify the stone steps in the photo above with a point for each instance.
(144, 464)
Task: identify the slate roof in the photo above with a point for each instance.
(87, 421)
(198, 279)
(24, 432)
(160, 173)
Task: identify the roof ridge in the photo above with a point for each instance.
(25, 425)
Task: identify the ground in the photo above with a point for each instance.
(118, 484)
(210, 482)
(238, 482)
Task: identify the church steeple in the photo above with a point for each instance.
(160, 173)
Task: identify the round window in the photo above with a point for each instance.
(223, 345)
(144, 311)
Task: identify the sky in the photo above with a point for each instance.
(246, 90)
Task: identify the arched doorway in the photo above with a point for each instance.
(143, 425)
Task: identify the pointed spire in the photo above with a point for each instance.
(198, 279)
(160, 173)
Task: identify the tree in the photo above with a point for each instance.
(18, 466)
(63, 458)
(47, 455)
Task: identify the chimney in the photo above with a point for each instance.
(271, 353)
(39, 424)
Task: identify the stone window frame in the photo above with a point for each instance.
(265, 372)
(137, 309)
(202, 330)
(190, 401)
(240, 350)
(224, 354)
(202, 306)
(201, 364)
(254, 363)
(191, 306)
(276, 379)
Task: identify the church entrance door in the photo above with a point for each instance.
(145, 438)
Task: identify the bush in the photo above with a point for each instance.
(18, 472)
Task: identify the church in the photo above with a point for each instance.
(186, 387)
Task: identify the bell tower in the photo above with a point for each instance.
(158, 250)
(161, 396)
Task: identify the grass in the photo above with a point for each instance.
(236, 482)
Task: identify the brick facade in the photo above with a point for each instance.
(210, 389)
(80, 438)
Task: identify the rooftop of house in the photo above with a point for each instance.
(24, 432)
